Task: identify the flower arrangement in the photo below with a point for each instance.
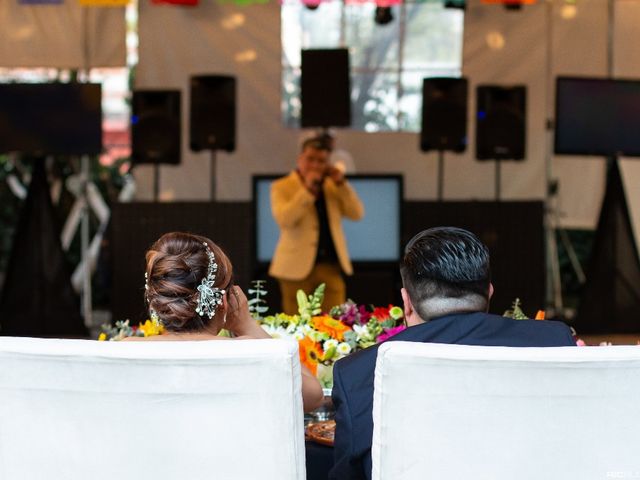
(324, 338)
(122, 329)
(516, 312)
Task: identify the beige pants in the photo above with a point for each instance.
(327, 273)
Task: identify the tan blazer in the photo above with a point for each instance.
(293, 208)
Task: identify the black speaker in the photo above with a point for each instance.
(501, 123)
(325, 88)
(444, 114)
(156, 134)
(213, 113)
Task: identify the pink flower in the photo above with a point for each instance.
(581, 343)
(350, 314)
(365, 315)
(389, 332)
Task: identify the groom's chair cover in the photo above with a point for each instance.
(500, 413)
(80, 410)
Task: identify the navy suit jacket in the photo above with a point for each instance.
(353, 375)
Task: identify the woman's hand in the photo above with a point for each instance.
(241, 323)
(239, 320)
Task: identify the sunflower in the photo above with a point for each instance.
(332, 327)
(310, 354)
(151, 328)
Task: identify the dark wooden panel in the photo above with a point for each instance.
(135, 226)
(514, 233)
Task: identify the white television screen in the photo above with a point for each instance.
(375, 238)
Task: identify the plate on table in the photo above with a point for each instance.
(322, 432)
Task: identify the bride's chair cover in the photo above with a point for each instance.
(500, 413)
(81, 409)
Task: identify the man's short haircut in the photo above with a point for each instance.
(445, 263)
(317, 143)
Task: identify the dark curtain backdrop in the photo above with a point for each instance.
(37, 298)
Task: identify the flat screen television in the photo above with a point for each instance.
(375, 238)
(596, 116)
(51, 118)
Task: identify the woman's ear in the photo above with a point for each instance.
(224, 308)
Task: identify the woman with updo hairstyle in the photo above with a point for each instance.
(189, 289)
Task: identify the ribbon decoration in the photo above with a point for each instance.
(104, 3)
(40, 2)
(188, 3)
(509, 2)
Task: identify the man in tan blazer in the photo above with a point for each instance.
(308, 205)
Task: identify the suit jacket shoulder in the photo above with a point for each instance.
(354, 375)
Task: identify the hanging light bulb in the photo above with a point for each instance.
(458, 4)
(383, 15)
(311, 4)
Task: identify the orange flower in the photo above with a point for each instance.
(334, 328)
(310, 354)
(540, 315)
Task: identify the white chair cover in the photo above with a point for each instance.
(80, 410)
(500, 413)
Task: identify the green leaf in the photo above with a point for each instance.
(329, 354)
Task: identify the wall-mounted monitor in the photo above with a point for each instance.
(597, 116)
(375, 238)
(51, 118)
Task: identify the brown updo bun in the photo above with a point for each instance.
(176, 264)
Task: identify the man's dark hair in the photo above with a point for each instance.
(317, 143)
(446, 263)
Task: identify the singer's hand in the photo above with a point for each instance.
(336, 174)
(313, 181)
(312, 166)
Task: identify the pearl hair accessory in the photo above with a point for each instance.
(209, 296)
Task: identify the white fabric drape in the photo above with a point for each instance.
(61, 36)
(458, 411)
(198, 410)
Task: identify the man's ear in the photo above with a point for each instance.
(411, 317)
(490, 290)
(406, 301)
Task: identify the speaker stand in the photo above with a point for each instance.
(440, 175)
(498, 181)
(156, 182)
(212, 161)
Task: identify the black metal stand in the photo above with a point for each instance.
(213, 176)
(498, 178)
(156, 182)
(610, 298)
(440, 175)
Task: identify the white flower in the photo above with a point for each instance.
(277, 332)
(361, 331)
(291, 328)
(344, 348)
(331, 343)
(298, 335)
